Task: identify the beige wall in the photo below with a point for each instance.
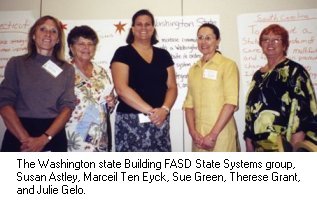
(112, 9)
(33, 5)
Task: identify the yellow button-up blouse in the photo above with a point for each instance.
(210, 87)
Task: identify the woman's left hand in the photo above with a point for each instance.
(209, 142)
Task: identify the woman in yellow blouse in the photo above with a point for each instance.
(212, 95)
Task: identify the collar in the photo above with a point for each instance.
(216, 59)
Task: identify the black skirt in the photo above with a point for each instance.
(35, 127)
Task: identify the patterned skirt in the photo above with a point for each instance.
(132, 136)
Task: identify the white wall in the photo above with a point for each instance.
(120, 9)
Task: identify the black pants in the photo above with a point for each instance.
(35, 127)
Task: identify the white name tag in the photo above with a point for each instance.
(210, 74)
(143, 118)
(52, 68)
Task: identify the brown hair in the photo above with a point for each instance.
(130, 37)
(58, 51)
(214, 28)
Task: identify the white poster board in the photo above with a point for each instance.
(14, 28)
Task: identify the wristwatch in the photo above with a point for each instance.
(49, 137)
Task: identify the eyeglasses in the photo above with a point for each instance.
(271, 40)
(83, 45)
(207, 38)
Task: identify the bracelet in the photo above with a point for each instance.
(49, 137)
(166, 109)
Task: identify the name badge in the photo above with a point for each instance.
(210, 74)
(52, 68)
(143, 118)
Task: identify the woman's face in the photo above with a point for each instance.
(46, 37)
(206, 41)
(272, 45)
(83, 49)
(143, 28)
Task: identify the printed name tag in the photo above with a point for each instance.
(52, 68)
(143, 118)
(210, 74)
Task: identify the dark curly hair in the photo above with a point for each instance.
(81, 31)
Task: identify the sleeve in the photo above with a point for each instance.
(168, 60)
(231, 84)
(9, 85)
(68, 98)
(248, 130)
(303, 92)
(248, 133)
(188, 103)
(120, 55)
